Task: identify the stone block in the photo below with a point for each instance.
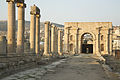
(3, 45)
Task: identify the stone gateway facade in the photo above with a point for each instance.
(88, 37)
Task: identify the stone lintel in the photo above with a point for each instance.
(21, 5)
(11, 1)
(34, 10)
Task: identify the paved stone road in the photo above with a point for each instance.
(82, 67)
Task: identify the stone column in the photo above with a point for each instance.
(37, 45)
(60, 42)
(3, 46)
(79, 45)
(66, 41)
(76, 42)
(97, 42)
(110, 39)
(56, 40)
(46, 39)
(50, 38)
(21, 26)
(32, 32)
(107, 42)
(53, 39)
(11, 27)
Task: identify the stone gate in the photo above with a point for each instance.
(100, 40)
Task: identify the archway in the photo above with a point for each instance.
(87, 43)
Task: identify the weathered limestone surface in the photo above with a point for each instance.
(21, 26)
(11, 27)
(53, 39)
(32, 29)
(35, 30)
(32, 33)
(60, 42)
(78, 29)
(37, 51)
(50, 39)
(56, 40)
(26, 47)
(46, 40)
(3, 45)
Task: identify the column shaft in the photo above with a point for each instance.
(50, 38)
(37, 35)
(11, 28)
(66, 41)
(53, 39)
(76, 41)
(32, 33)
(20, 34)
(56, 40)
(46, 39)
(107, 43)
(60, 42)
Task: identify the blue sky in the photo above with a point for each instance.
(61, 11)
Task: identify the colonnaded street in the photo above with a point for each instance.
(80, 67)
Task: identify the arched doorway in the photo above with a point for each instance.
(87, 43)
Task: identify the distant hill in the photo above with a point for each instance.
(3, 25)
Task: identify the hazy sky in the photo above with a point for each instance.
(61, 11)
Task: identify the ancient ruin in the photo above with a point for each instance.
(35, 30)
(11, 26)
(100, 34)
(81, 47)
(21, 26)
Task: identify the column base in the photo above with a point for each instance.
(46, 54)
(60, 54)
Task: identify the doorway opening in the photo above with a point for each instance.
(87, 43)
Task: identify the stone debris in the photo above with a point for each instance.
(36, 73)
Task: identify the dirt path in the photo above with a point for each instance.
(82, 67)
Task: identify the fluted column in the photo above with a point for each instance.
(46, 39)
(11, 27)
(37, 51)
(21, 26)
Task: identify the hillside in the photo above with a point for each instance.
(3, 25)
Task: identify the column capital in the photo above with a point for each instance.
(23, 5)
(38, 15)
(53, 25)
(34, 10)
(47, 22)
(14, 1)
